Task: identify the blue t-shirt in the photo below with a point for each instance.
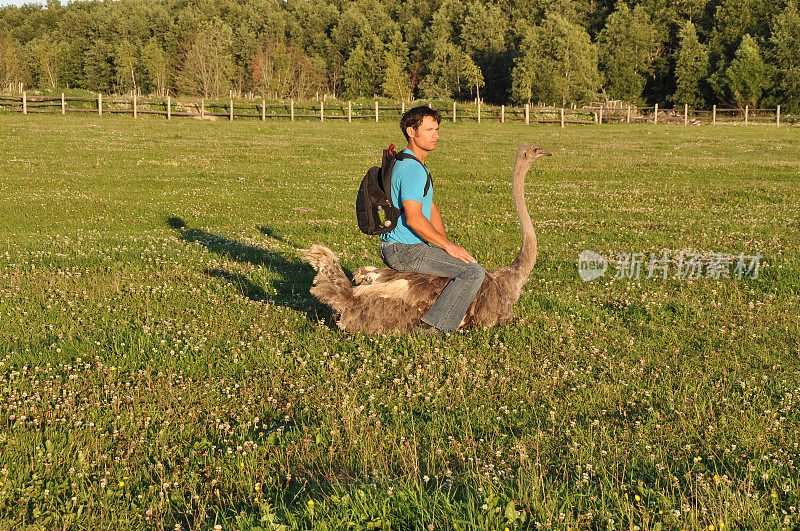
(408, 183)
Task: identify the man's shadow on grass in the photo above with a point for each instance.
(291, 290)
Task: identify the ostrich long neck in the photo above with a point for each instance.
(526, 258)
(513, 277)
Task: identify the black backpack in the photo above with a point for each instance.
(374, 209)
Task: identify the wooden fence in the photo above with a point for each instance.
(322, 110)
(338, 110)
(687, 116)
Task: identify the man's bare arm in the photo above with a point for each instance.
(436, 220)
(428, 232)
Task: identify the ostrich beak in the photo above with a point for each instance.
(545, 154)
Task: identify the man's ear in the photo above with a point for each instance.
(410, 131)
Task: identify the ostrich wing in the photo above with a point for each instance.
(490, 307)
(386, 300)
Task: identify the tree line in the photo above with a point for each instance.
(695, 52)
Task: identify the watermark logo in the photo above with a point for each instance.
(591, 265)
(686, 265)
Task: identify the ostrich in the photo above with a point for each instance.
(385, 300)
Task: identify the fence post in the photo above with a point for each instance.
(403, 108)
(100, 103)
(202, 107)
(291, 109)
(231, 111)
(778, 117)
(24, 103)
(376, 111)
(685, 114)
(746, 113)
(135, 108)
(454, 111)
(169, 107)
(600, 118)
(321, 110)
(628, 118)
(562, 117)
(64, 104)
(349, 111)
(263, 110)
(502, 114)
(714, 115)
(527, 113)
(479, 111)
(655, 120)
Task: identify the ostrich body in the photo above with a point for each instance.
(386, 300)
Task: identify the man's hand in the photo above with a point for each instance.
(456, 251)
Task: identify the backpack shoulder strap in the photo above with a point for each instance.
(387, 165)
(402, 155)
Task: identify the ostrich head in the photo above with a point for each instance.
(527, 154)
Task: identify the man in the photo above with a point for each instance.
(419, 243)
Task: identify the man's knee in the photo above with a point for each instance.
(474, 271)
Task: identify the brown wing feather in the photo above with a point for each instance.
(490, 307)
(386, 300)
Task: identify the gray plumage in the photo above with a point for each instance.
(385, 300)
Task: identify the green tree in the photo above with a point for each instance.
(735, 18)
(76, 29)
(691, 9)
(441, 79)
(359, 74)
(10, 64)
(557, 62)
(309, 25)
(483, 30)
(156, 66)
(396, 83)
(126, 62)
(627, 47)
(472, 74)
(485, 35)
(451, 72)
(282, 70)
(45, 55)
(691, 68)
(254, 21)
(747, 76)
(442, 55)
(447, 22)
(98, 66)
(786, 56)
(208, 65)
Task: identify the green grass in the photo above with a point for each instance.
(163, 364)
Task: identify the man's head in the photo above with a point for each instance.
(420, 125)
(414, 117)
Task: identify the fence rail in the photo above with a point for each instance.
(261, 110)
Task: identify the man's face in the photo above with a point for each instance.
(426, 135)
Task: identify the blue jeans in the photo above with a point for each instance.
(454, 301)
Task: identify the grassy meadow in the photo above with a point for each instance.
(162, 363)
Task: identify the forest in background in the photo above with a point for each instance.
(562, 52)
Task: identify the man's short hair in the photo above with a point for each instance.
(413, 118)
